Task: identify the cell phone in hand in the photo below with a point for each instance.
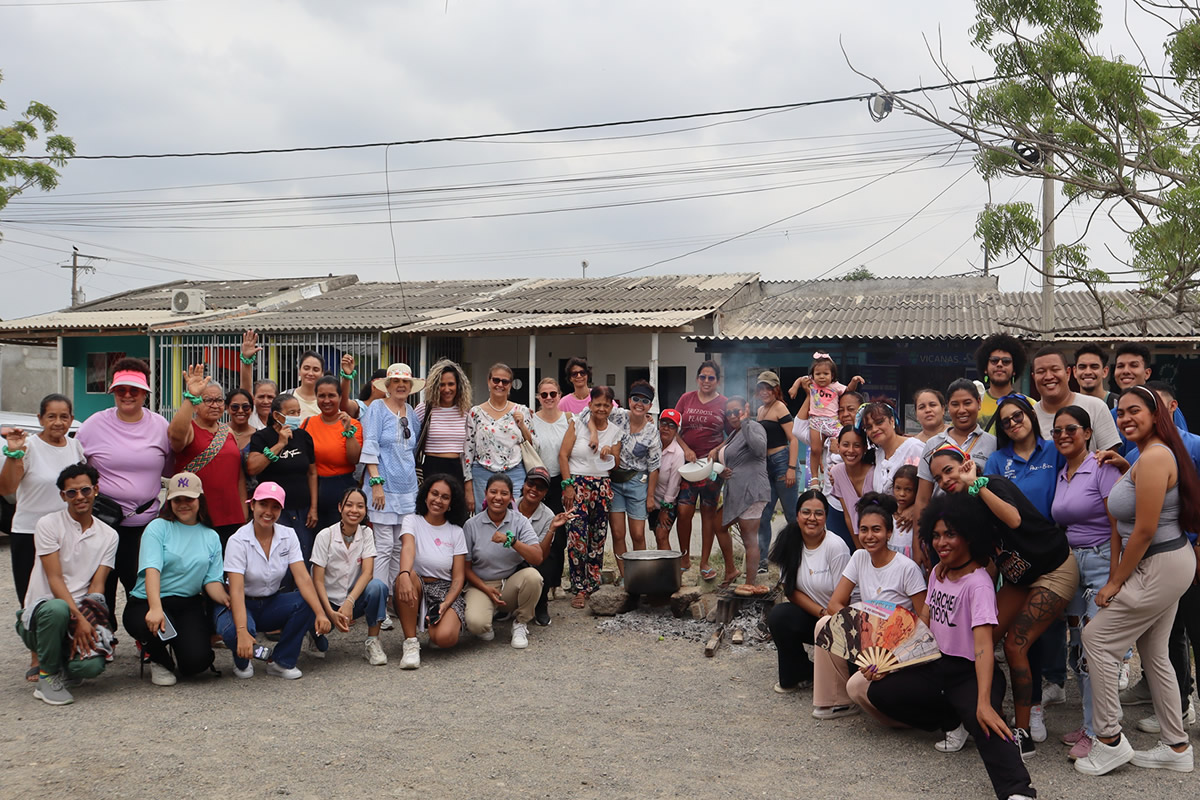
(167, 632)
(433, 617)
(261, 652)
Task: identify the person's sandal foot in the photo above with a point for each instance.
(708, 574)
(580, 600)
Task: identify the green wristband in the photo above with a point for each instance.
(189, 396)
(977, 486)
(510, 537)
(376, 481)
(348, 376)
(349, 432)
(270, 454)
(16, 454)
(248, 360)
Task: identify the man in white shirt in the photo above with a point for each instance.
(1050, 376)
(75, 552)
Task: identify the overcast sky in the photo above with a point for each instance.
(185, 76)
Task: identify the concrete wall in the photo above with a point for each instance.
(27, 374)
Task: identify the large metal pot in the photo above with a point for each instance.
(652, 571)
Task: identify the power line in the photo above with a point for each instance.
(75, 3)
(527, 131)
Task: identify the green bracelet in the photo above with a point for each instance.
(510, 537)
(349, 432)
(17, 454)
(248, 360)
(189, 396)
(376, 481)
(348, 376)
(975, 487)
(568, 482)
(271, 455)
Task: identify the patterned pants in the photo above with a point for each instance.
(586, 532)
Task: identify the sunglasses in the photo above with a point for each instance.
(994, 360)
(127, 391)
(240, 407)
(501, 381)
(83, 491)
(641, 400)
(733, 412)
(1012, 420)
(547, 395)
(1070, 430)
(404, 425)
(706, 377)
(576, 374)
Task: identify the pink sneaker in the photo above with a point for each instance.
(1081, 749)
(1074, 736)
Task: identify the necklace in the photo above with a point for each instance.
(502, 408)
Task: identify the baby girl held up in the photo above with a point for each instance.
(821, 405)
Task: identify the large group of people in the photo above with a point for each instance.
(1055, 532)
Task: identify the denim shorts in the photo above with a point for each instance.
(708, 493)
(630, 497)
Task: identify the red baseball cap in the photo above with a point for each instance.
(671, 415)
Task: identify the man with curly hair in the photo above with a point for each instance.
(1000, 361)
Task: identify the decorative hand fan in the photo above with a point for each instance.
(878, 634)
(882, 659)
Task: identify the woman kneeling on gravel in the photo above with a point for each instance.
(433, 555)
(257, 558)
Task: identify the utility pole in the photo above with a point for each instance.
(584, 265)
(1047, 246)
(75, 268)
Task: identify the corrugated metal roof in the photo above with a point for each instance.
(86, 320)
(220, 294)
(473, 321)
(932, 308)
(624, 295)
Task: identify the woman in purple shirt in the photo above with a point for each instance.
(1080, 504)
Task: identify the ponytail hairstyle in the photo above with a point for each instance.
(878, 503)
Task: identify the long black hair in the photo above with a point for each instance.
(457, 513)
(788, 549)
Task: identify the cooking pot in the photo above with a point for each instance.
(652, 571)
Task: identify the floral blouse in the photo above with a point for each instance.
(495, 444)
(641, 451)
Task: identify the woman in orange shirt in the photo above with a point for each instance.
(337, 441)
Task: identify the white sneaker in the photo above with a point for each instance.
(953, 741)
(1053, 695)
(520, 635)
(1123, 678)
(1104, 758)
(1037, 724)
(411, 659)
(1163, 757)
(487, 635)
(387, 623)
(248, 672)
(375, 655)
(161, 676)
(287, 673)
(1151, 724)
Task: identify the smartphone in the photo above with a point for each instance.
(432, 618)
(167, 632)
(262, 652)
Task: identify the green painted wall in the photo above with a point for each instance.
(75, 354)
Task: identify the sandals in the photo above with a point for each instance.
(31, 674)
(580, 600)
(708, 574)
(729, 579)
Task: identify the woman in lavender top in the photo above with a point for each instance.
(1080, 499)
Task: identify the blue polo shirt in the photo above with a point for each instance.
(1126, 448)
(1036, 477)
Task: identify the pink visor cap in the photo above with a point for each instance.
(268, 491)
(129, 377)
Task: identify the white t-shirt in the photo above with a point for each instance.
(80, 554)
(263, 572)
(1104, 429)
(896, 582)
(342, 563)
(437, 545)
(821, 568)
(37, 494)
(587, 462)
(909, 452)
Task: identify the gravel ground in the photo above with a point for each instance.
(581, 713)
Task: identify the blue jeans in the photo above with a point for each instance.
(283, 611)
(480, 476)
(373, 602)
(777, 466)
(1093, 574)
(297, 520)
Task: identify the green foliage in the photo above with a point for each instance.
(17, 173)
(859, 274)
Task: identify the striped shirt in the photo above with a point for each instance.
(447, 429)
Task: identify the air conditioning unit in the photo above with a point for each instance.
(189, 301)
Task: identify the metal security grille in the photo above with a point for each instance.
(279, 361)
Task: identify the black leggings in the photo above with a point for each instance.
(24, 555)
(192, 644)
(129, 545)
(941, 695)
(1186, 627)
(791, 628)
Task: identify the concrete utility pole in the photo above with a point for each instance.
(75, 268)
(1047, 247)
(584, 265)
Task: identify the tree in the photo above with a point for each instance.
(19, 172)
(859, 273)
(1110, 132)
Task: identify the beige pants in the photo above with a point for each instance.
(520, 593)
(833, 685)
(1142, 613)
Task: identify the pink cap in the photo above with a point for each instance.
(130, 377)
(268, 491)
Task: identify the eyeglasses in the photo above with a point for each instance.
(82, 491)
(501, 381)
(213, 401)
(404, 425)
(808, 512)
(576, 373)
(1070, 430)
(547, 395)
(733, 412)
(127, 391)
(240, 406)
(706, 377)
(994, 360)
(1012, 420)
(641, 400)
